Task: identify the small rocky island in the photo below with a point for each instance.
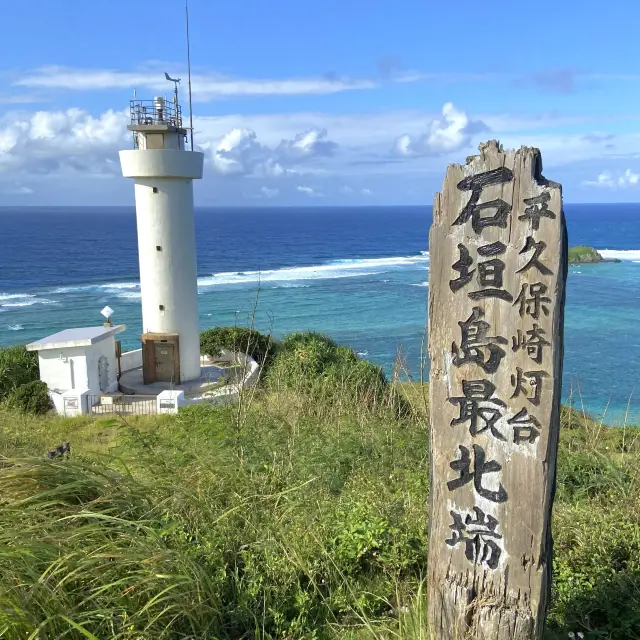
(586, 255)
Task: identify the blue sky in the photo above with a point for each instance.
(321, 102)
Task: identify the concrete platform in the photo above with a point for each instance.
(131, 382)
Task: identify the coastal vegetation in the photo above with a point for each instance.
(17, 367)
(301, 512)
(30, 397)
(582, 254)
(311, 365)
(240, 340)
(20, 387)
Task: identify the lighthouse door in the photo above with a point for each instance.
(165, 362)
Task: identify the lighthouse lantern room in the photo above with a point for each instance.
(163, 171)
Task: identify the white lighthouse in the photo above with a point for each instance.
(163, 171)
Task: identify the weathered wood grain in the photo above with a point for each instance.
(482, 586)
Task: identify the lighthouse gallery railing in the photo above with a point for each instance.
(154, 112)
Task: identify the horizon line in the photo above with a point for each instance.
(271, 206)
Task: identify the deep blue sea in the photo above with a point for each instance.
(358, 275)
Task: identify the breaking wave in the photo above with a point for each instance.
(615, 254)
(109, 287)
(14, 296)
(23, 300)
(120, 285)
(290, 285)
(285, 277)
(350, 268)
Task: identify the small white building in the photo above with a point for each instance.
(76, 363)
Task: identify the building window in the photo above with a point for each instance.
(155, 189)
(161, 307)
(158, 247)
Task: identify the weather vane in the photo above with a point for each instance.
(175, 92)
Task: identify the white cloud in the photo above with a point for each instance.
(607, 180)
(628, 178)
(372, 134)
(309, 191)
(268, 192)
(350, 191)
(205, 86)
(321, 151)
(309, 144)
(264, 193)
(239, 152)
(273, 169)
(49, 141)
(17, 190)
(604, 179)
(452, 133)
(210, 84)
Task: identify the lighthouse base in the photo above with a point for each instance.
(223, 377)
(133, 382)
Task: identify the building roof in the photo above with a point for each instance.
(80, 337)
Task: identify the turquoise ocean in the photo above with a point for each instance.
(359, 275)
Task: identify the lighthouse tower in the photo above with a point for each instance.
(163, 171)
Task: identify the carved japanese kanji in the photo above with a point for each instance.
(498, 260)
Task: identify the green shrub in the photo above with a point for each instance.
(32, 397)
(17, 367)
(240, 339)
(596, 567)
(314, 363)
(302, 359)
(588, 474)
(315, 366)
(366, 540)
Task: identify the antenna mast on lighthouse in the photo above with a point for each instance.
(186, 11)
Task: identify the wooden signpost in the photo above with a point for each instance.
(498, 263)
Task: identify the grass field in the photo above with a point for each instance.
(290, 515)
